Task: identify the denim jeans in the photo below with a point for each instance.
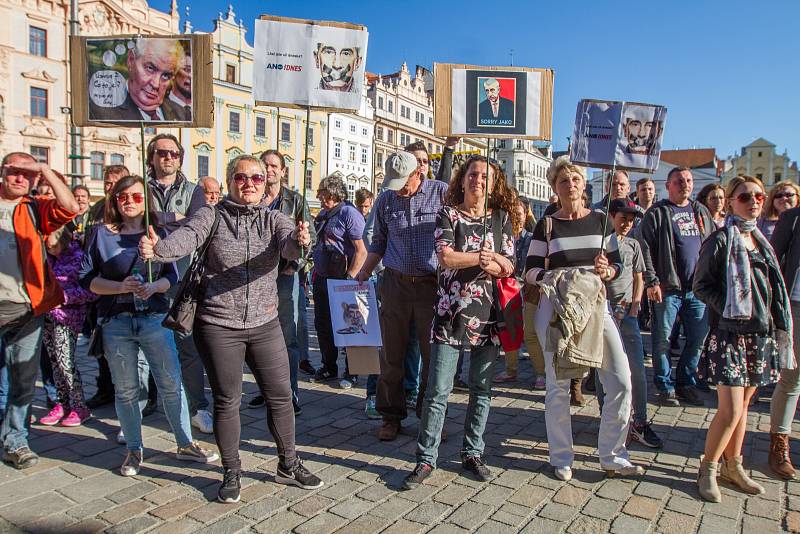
(695, 323)
(412, 362)
(48, 381)
(784, 399)
(440, 383)
(632, 341)
(123, 336)
(288, 306)
(21, 343)
(192, 371)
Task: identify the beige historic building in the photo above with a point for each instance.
(760, 159)
(35, 85)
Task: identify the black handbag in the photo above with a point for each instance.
(96, 349)
(180, 316)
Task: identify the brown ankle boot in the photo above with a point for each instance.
(575, 394)
(779, 460)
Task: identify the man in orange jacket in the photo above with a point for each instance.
(28, 288)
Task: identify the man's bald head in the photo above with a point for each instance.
(211, 189)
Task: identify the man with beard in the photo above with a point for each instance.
(152, 65)
(337, 66)
(180, 98)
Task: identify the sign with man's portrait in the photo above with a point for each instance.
(625, 135)
(128, 80)
(510, 102)
(301, 63)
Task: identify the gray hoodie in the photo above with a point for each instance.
(241, 263)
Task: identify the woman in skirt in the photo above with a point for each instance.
(739, 279)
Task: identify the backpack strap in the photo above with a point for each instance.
(548, 232)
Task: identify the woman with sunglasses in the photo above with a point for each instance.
(739, 279)
(783, 196)
(712, 196)
(134, 310)
(237, 316)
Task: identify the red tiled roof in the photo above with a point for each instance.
(691, 157)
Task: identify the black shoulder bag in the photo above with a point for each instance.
(96, 349)
(180, 316)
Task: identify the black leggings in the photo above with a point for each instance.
(224, 352)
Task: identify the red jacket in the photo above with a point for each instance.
(38, 279)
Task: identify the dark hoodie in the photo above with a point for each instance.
(241, 264)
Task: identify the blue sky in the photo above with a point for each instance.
(728, 71)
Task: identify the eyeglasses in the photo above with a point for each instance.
(163, 153)
(744, 198)
(787, 194)
(137, 198)
(257, 179)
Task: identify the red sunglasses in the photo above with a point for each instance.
(747, 197)
(257, 179)
(137, 198)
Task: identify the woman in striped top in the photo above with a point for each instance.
(574, 242)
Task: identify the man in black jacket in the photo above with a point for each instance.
(670, 234)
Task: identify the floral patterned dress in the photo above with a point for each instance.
(747, 360)
(465, 312)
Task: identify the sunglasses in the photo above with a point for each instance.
(788, 194)
(747, 197)
(163, 153)
(257, 179)
(137, 198)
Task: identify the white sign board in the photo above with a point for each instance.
(305, 63)
(625, 135)
(354, 313)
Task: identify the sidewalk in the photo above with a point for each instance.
(76, 487)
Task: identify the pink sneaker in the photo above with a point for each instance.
(540, 384)
(55, 415)
(76, 417)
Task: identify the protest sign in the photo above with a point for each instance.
(623, 135)
(493, 102)
(354, 313)
(302, 63)
(126, 80)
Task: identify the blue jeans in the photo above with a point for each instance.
(288, 307)
(192, 371)
(21, 343)
(632, 342)
(695, 323)
(412, 362)
(48, 382)
(123, 336)
(440, 383)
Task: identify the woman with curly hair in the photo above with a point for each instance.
(783, 196)
(712, 196)
(469, 262)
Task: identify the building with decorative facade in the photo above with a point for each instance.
(525, 164)
(350, 146)
(35, 84)
(760, 159)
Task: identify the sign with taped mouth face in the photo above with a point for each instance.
(128, 80)
(301, 63)
(625, 135)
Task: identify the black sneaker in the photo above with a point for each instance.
(298, 476)
(460, 385)
(101, 398)
(667, 398)
(307, 368)
(644, 434)
(21, 458)
(476, 466)
(689, 395)
(420, 473)
(324, 375)
(256, 402)
(230, 487)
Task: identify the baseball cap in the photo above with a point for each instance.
(399, 166)
(621, 205)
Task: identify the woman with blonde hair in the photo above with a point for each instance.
(783, 196)
(739, 278)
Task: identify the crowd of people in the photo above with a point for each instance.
(714, 280)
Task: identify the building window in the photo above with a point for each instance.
(430, 147)
(778, 177)
(352, 128)
(230, 73)
(337, 149)
(379, 159)
(390, 136)
(363, 155)
(379, 133)
(430, 122)
(41, 154)
(37, 41)
(380, 102)
(261, 127)
(97, 161)
(352, 152)
(520, 144)
(759, 154)
(364, 132)
(38, 102)
(308, 179)
(233, 124)
(310, 137)
(286, 132)
(202, 165)
(337, 124)
(390, 106)
(116, 159)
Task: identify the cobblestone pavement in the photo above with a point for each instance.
(76, 487)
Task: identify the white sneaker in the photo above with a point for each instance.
(121, 437)
(202, 421)
(564, 473)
